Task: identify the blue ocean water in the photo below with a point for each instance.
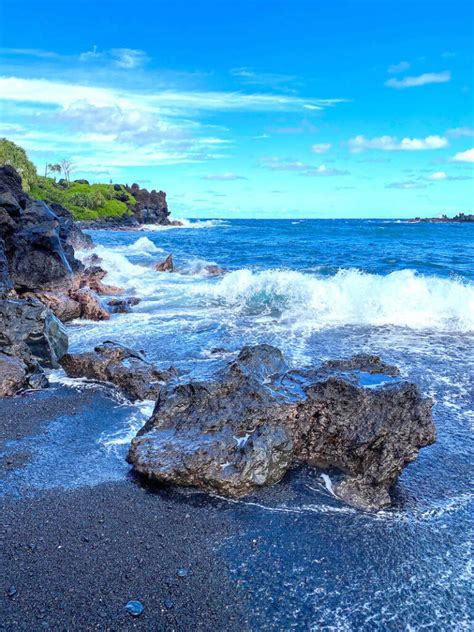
(318, 289)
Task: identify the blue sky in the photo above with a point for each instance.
(251, 108)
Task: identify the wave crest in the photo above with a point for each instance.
(351, 297)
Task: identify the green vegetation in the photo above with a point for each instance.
(85, 201)
(11, 154)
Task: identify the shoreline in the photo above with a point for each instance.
(86, 544)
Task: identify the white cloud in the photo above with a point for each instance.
(127, 58)
(407, 185)
(277, 164)
(464, 156)
(459, 132)
(438, 175)
(391, 143)
(396, 68)
(420, 80)
(224, 177)
(30, 52)
(323, 170)
(320, 148)
(64, 94)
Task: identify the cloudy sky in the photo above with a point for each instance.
(263, 108)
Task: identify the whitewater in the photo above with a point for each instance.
(319, 290)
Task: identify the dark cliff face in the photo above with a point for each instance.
(36, 240)
(151, 206)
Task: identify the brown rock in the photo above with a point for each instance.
(12, 375)
(246, 428)
(91, 307)
(127, 369)
(166, 265)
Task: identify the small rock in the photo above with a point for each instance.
(169, 603)
(165, 266)
(182, 572)
(12, 591)
(135, 608)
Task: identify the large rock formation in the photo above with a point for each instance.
(245, 429)
(151, 206)
(111, 362)
(37, 244)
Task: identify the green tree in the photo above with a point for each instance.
(12, 154)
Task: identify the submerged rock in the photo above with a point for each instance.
(122, 305)
(127, 369)
(246, 428)
(213, 270)
(166, 265)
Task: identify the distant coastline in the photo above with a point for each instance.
(444, 219)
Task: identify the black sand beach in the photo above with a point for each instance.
(74, 558)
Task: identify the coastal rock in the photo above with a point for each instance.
(29, 328)
(35, 239)
(253, 422)
(129, 370)
(150, 206)
(90, 306)
(12, 375)
(166, 265)
(122, 305)
(213, 270)
(92, 278)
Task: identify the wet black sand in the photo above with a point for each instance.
(76, 557)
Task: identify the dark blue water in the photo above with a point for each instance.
(318, 290)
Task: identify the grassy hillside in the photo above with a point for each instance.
(85, 201)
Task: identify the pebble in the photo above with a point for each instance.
(135, 608)
(169, 603)
(182, 572)
(12, 591)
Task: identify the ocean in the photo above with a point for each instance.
(317, 289)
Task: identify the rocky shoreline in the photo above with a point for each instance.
(460, 218)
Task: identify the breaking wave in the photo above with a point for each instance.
(185, 223)
(352, 297)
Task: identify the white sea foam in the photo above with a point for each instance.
(185, 223)
(351, 297)
(143, 245)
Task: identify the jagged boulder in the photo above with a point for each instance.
(127, 369)
(165, 266)
(30, 329)
(245, 429)
(37, 242)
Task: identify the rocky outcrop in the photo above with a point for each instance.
(127, 369)
(37, 260)
(165, 266)
(122, 305)
(37, 240)
(31, 338)
(150, 207)
(29, 329)
(246, 428)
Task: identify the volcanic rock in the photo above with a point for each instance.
(213, 270)
(129, 370)
(90, 306)
(12, 375)
(166, 265)
(253, 422)
(122, 305)
(29, 328)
